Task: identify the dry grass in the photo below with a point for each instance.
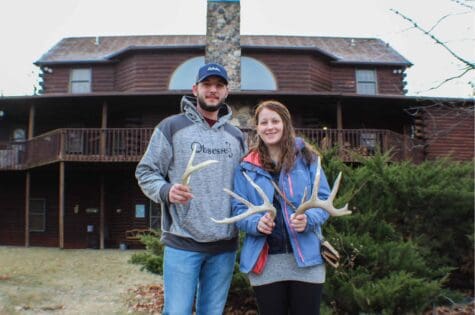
(53, 281)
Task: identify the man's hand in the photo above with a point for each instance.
(179, 194)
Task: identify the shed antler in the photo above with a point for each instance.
(252, 209)
(327, 204)
(190, 168)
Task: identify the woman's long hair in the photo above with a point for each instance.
(287, 143)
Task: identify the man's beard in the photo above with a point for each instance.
(209, 108)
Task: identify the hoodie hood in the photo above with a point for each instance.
(188, 106)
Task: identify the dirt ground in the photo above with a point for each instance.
(52, 281)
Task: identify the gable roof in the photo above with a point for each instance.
(338, 49)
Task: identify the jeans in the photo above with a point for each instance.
(187, 273)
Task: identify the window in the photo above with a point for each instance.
(139, 211)
(74, 142)
(155, 217)
(80, 81)
(368, 143)
(19, 135)
(254, 75)
(185, 75)
(37, 215)
(366, 82)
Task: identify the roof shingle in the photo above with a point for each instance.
(340, 49)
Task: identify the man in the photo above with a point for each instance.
(199, 254)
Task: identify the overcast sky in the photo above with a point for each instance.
(29, 29)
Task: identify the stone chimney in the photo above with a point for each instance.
(223, 38)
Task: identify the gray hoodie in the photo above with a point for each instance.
(165, 161)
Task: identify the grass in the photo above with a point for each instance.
(53, 281)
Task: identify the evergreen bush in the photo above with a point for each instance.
(409, 237)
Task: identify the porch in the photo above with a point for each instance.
(129, 144)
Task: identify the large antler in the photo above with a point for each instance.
(252, 209)
(190, 168)
(327, 204)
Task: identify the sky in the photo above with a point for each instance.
(28, 29)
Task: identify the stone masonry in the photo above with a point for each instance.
(223, 41)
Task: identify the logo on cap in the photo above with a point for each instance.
(212, 69)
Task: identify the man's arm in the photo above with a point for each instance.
(152, 169)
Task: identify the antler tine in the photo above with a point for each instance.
(252, 209)
(190, 168)
(327, 205)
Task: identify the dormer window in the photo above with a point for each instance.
(366, 82)
(80, 81)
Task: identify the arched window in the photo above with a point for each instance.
(254, 75)
(185, 74)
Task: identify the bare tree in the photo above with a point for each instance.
(468, 65)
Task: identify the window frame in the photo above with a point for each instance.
(75, 82)
(183, 77)
(367, 82)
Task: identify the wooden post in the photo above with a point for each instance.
(103, 129)
(405, 142)
(31, 132)
(102, 213)
(27, 208)
(339, 125)
(103, 143)
(62, 138)
(339, 115)
(31, 122)
(61, 204)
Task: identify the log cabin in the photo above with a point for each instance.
(68, 155)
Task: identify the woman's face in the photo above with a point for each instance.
(270, 127)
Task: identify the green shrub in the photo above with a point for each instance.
(152, 259)
(406, 241)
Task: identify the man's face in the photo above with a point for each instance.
(210, 93)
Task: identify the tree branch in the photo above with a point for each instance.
(464, 4)
(470, 65)
(450, 79)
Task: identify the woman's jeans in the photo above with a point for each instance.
(187, 274)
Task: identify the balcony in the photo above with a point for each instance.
(129, 144)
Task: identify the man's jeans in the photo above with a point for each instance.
(186, 273)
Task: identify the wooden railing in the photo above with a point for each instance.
(365, 142)
(129, 144)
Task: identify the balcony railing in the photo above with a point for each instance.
(129, 144)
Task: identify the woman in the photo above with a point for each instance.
(281, 256)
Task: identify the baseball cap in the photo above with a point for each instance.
(212, 69)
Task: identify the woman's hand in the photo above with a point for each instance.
(179, 194)
(298, 222)
(266, 224)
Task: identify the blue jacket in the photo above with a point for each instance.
(306, 244)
